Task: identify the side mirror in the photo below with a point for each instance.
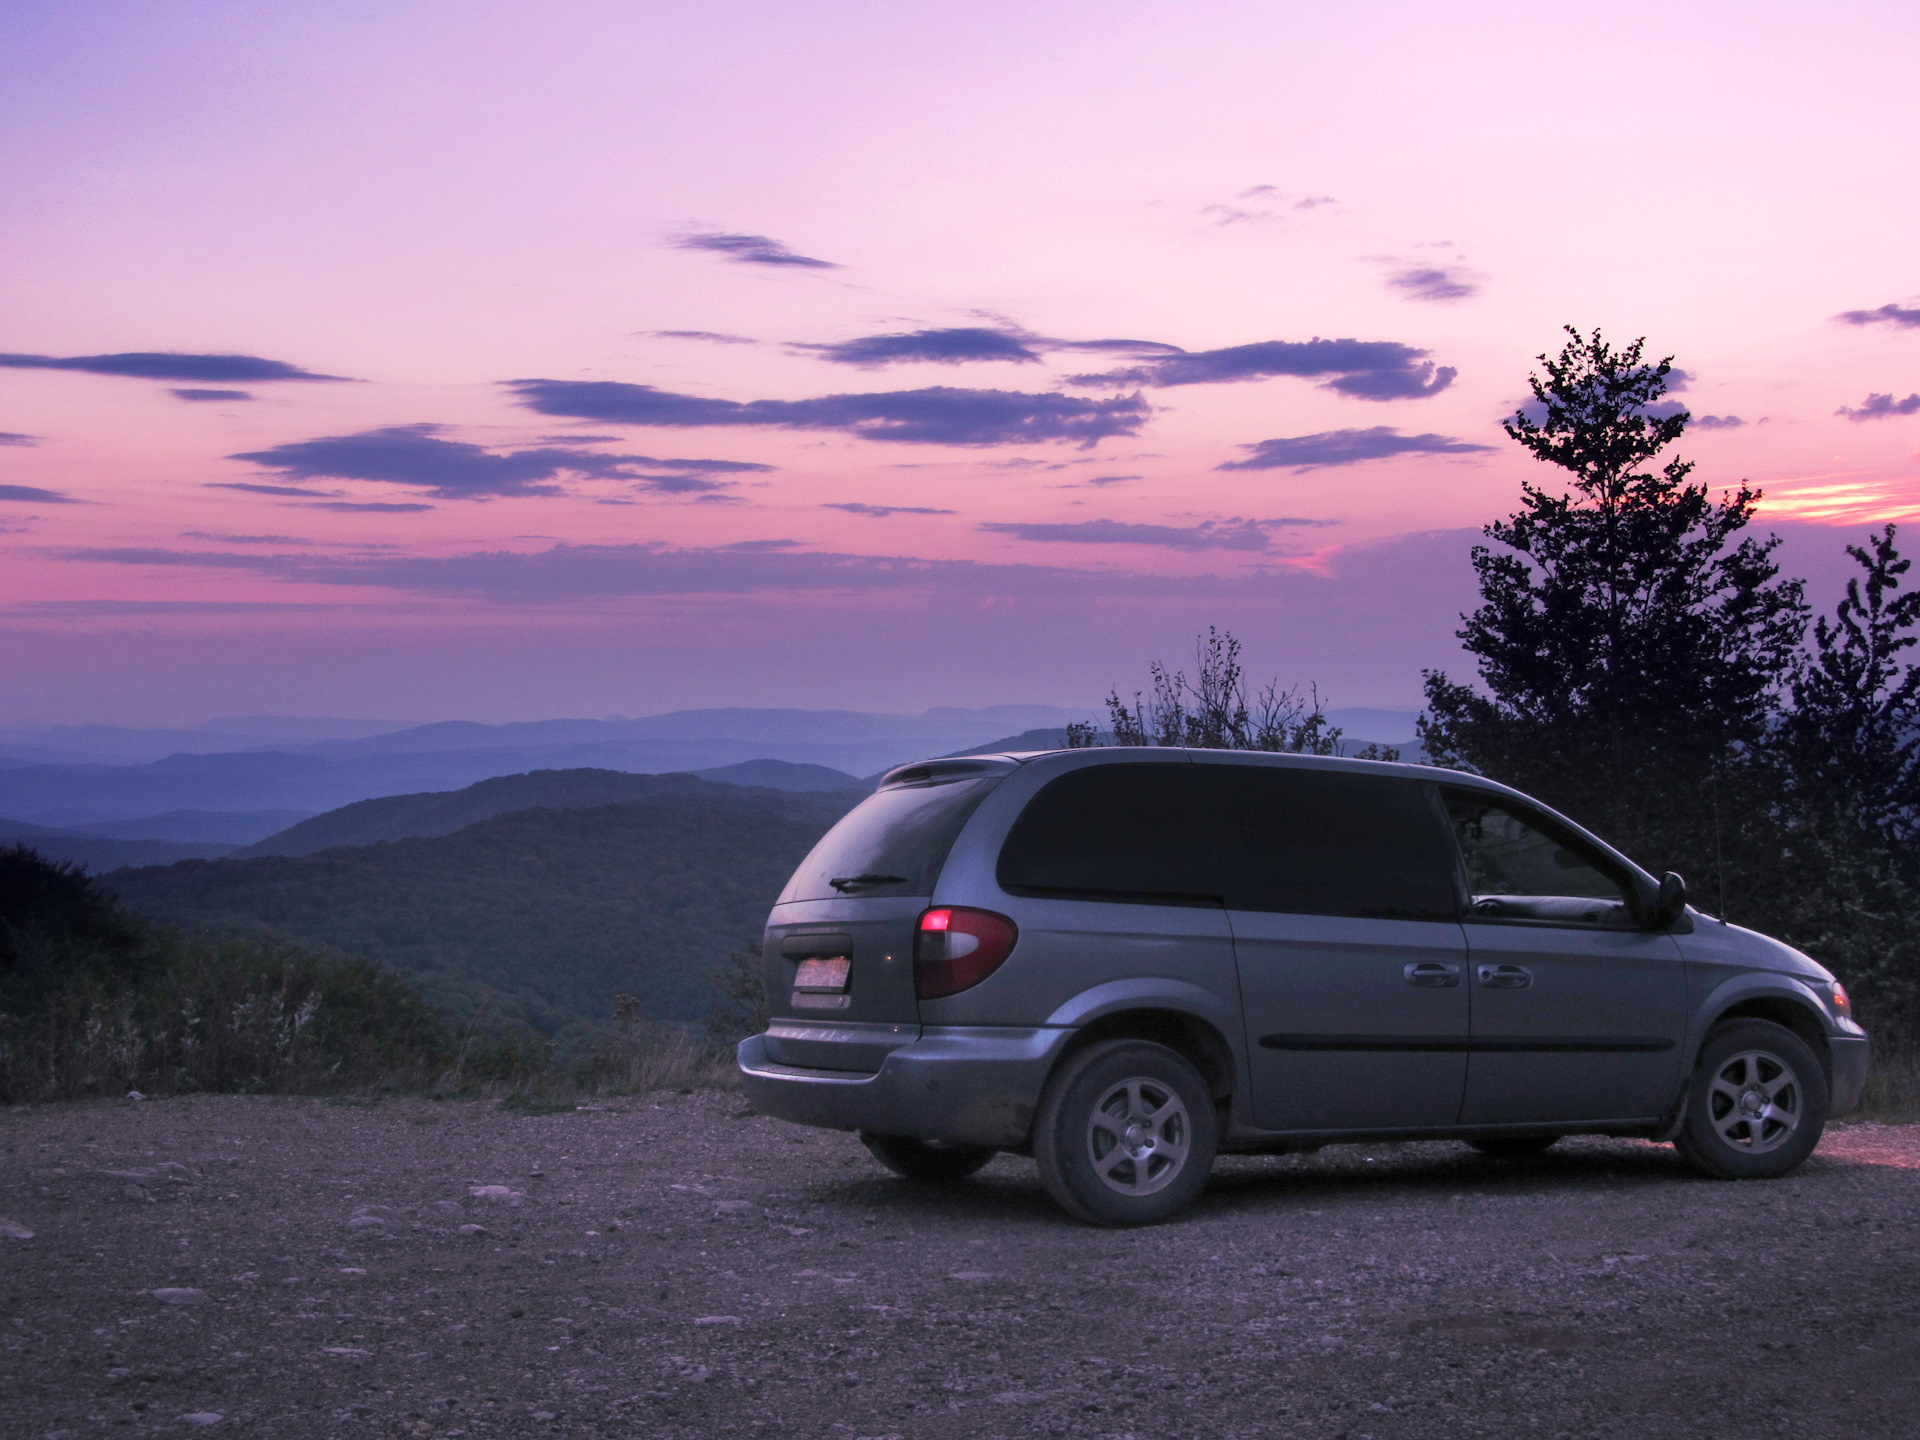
(1671, 901)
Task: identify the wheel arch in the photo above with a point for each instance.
(1784, 1008)
(1190, 1036)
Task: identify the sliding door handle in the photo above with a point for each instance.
(1505, 977)
(1432, 975)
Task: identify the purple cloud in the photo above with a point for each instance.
(1434, 283)
(206, 396)
(880, 512)
(415, 455)
(945, 347)
(1234, 534)
(1885, 315)
(1717, 422)
(1345, 447)
(1364, 369)
(751, 250)
(1881, 407)
(938, 415)
(34, 495)
(13, 437)
(167, 365)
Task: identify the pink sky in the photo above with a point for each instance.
(433, 199)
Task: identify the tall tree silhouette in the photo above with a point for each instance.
(1627, 640)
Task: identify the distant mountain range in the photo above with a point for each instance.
(324, 774)
(263, 773)
(539, 915)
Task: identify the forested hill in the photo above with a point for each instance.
(551, 912)
(441, 812)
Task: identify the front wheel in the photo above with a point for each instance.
(1126, 1134)
(1756, 1104)
(930, 1160)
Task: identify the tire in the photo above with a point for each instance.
(1756, 1104)
(931, 1161)
(1125, 1134)
(1514, 1147)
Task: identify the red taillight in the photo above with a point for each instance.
(956, 948)
(1840, 1000)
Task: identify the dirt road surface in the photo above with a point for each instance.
(676, 1266)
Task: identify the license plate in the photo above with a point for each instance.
(823, 975)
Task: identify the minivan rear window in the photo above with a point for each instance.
(892, 843)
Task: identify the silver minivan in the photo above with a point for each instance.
(1125, 961)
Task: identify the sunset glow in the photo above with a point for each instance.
(504, 361)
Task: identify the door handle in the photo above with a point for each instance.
(1505, 977)
(1432, 975)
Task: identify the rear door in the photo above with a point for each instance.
(1578, 1013)
(837, 957)
(1344, 906)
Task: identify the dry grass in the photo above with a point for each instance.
(1893, 1088)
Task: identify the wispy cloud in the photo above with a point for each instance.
(83, 608)
(288, 491)
(1897, 315)
(1108, 479)
(568, 573)
(712, 337)
(168, 365)
(1717, 422)
(12, 437)
(1364, 369)
(416, 456)
(1881, 407)
(222, 539)
(1234, 534)
(880, 512)
(971, 343)
(1344, 447)
(206, 396)
(1259, 203)
(34, 495)
(939, 415)
(751, 250)
(1434, 283)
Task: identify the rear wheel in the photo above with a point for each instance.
(1514, 1147)
(1126, 1134)
(931, 1160)
(1756, 1104)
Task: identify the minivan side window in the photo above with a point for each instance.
(1329, 842)
(1115, 832)
(1511, 853)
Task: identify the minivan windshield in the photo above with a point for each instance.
(892, 843)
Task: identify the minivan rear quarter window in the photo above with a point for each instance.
(892, 843)
(1115, 832)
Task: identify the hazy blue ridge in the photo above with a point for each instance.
(406, 817)
(538, 915)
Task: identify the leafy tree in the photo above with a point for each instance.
(1629, 645)
(1216, 711)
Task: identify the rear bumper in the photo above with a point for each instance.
(974, 1085)
(1850, 1055)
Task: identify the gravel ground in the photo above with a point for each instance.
(677, 1266)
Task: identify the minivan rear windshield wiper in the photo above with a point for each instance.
(848, 882)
